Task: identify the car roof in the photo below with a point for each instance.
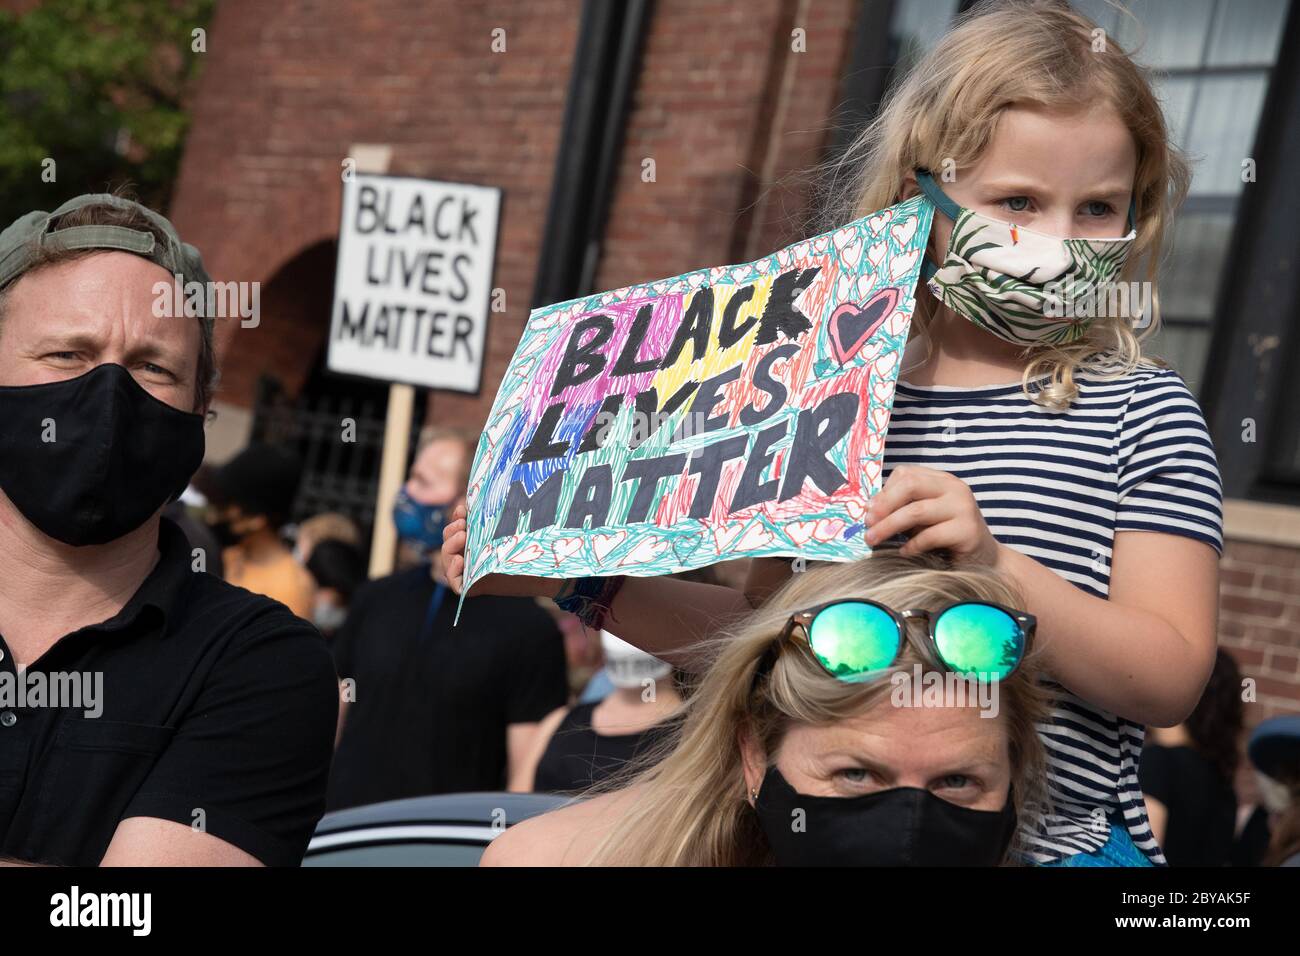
(464, 808)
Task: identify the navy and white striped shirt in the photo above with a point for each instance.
(1130, 454)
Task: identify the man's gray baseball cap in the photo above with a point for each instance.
(22, 242)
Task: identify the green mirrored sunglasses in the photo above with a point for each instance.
(853, 639)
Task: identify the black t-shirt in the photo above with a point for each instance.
(217, 708)
(432, 701)
(1202, 805)
(577, 758)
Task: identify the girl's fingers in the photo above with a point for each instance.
(907, 483)
(928, 511)
(947, 535)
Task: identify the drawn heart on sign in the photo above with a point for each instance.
(828, 529)
(852, 254)
(684, 546)
(852, 325)
(800, 532)
(903, 263)
(903, 231)
(498, 430)
(529, 552)
(565, 548)
(879, 419)
(725, 535)
(755, 536)
(603, 544)
(645, 552)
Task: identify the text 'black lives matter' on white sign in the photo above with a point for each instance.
(414, 281)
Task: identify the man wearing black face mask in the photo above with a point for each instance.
(210, 742)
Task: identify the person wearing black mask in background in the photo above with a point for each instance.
(210, 743)
(250, 498)
(434, 708)
(338, 569)
(1187, 774)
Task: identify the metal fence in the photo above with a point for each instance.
(339, 439)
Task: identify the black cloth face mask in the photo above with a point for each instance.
(903, 826)
(116, 456)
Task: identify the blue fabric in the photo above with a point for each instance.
(1118, 850)
(597, 689)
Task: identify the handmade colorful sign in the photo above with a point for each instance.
(730, 412)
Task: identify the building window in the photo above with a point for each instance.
(1213, 60)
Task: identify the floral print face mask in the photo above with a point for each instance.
(1019, 284)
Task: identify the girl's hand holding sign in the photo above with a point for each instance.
(937, 509)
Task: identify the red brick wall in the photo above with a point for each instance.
(1259, 623)
(707, 110)
(288, 87)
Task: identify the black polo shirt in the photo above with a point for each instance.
(217, 710)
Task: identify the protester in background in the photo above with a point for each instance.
(439, 709)
(326, 526)
(1274, 749)
(1187, 774)
(1250, 846)
(208, 742)
(581, 746)
(188, 511)
(599, 686)
(338, 569)
(778, 725)
(588, 682)
(250, 498)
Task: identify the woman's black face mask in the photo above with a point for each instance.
(88, 459)
(903, 826)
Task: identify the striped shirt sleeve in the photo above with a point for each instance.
(1168, 475)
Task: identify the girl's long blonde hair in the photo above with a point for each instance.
(689, 808)
(945, 109)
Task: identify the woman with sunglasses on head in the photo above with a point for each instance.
(804, 743)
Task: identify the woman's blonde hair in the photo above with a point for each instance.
(689, 808)
(1000, 54)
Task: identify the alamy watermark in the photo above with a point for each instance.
(70, 690)
(211, 300)
(1124, 300)
(922, 688)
